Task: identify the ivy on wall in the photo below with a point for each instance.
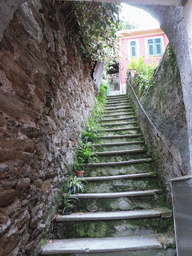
(95, 25)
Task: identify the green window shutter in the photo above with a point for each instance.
(133, 49)
(154, 47)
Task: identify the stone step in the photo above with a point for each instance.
(125, 110)
(150, 192)
(117, 96)
(120, 129)
(101, 245)
(118, 215)
(121, 123)
(108, 224)
(121, 185)
(120, 136)
(134, 151)
(116, 102)
(118, 144)
(112, 105)
(108, 170)
(116, 119)
(130, 162)
(142, 202)
(127, 113)
(118, 177)
(118, 107)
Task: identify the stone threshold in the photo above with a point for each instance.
(123, 176)
(150, 192)
(136, 161)
(99, 245)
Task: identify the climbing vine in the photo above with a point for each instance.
(97, 23)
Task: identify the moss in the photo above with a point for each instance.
(39, 246)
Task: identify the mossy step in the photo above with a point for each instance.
(122, 227)
(130, 162)
(124, 157)
(119, 110)
(121, 123)
(118, 215)
(120, 136)
(150, 192)
(118, 144)
(117, 96)
(114, 102)
(120, 129)
(117, 119)
(118, 107)
(119, 114)
(119, 203)
(107, 170)
(135, 151)
(121, 185)
(118, 177)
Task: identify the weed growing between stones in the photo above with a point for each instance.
(85, 151)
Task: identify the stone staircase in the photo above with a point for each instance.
(123, 210)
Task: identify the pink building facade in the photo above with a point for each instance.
(150, 44)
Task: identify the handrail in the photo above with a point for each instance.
(158, 133)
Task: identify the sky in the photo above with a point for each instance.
(137, 16)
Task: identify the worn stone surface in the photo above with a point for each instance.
(46, 94)
(164, 104)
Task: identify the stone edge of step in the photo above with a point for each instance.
(118, 215)
(101, 245)
(136, 161)
(123, 176)
(119, 152)
(150, 192)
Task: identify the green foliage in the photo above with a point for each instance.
(71, 185)
(85, 151)
(144, 73)
(98, 24)
(75, 184)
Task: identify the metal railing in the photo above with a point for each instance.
(158, 133)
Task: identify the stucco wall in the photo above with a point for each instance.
(46, 94)
(164, 105)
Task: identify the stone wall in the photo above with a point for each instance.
(164, 105)
(46, 94)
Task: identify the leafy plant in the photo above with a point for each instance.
(75, 185)
(66, 202)
(144, 73)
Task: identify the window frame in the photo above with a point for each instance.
(161, 45)
(136, 48)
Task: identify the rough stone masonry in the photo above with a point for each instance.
(46, 94)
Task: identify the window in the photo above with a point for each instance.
(133, 49)
(154, 46)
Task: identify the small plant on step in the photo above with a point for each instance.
(72, 185)
(86, 152)
(75, 185)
